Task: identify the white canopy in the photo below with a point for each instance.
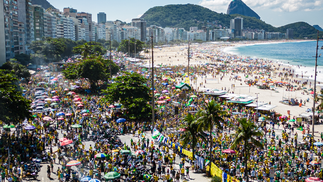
(266, 107)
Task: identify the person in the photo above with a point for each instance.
(48, 171)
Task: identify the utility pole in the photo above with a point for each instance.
(152, 81)
(110, 46)
(188, 59)
(129, 47)
(313, 118)
(135, 50)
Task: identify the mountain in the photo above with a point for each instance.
(43, 3)
(317, 27)
(189, 15)
(239, 7)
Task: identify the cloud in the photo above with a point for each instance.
(276, 5)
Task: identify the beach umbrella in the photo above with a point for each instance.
(261, 119)
(53, 104)
(70, 93)
(314, 163)
(86, 179)
(6, 127)
(312, 92)
(193, 96)
(48, 99)
(85, 111)
(60, 114)
(85, 114)
(68, 114)
(62, 139)
(291, 120)
(140, 152)
(11, 126)
(112, 175)
(80, 105)
(161, 102)
(77, 99)
(76, 126)
(111, 106)
(182, 129)
(313, 179)
(121, 120)
(318, 144)
(47, 118)
(73, 163)
(229, 151)
(125, 152)
(55, 97)
(66, 142)
(30, 127)
(94, 180)
(165, 91)
(157, 94)
(60, 119)
(100, 155)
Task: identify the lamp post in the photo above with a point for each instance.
(257, 105)
(110, 47)
(152, 81)
(188, 60)
(135, 50)
(313, 118)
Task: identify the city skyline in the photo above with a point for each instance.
(277, 13)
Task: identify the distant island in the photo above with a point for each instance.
(190, 15)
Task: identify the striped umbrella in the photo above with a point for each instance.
(94, 180)
(73, 163)
(86, 179)
(100, 155)
(66, 142)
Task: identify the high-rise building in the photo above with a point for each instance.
(102, 17)
(38, 22)
(2, 35)
(142, 25)
(81, 16)
(13, 37)
(236, 26)
(289, 33)
(70, 12)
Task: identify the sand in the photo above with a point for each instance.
(177, 55)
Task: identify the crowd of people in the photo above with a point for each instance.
(79, 129)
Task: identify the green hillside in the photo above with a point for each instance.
(189, 15)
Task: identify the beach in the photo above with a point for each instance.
(218, 53)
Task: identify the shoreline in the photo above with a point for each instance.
(306, 71)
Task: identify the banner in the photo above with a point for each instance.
(187, 153)
(155, 134)
(215, 171)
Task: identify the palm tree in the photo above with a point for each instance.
(245, 134)
(191, 133)
(210, 116)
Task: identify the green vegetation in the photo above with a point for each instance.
(247, 134)
(131, 91)
(191, 134)
(124, 46)
(93, 68)
(189, 15)
(14, 107)
(19, 70)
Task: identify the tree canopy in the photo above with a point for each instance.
(18, 69)
(14, 107)
(124, 46)
(130, 90)
(93, 68)
(90, 48)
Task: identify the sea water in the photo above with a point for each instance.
(301, 55)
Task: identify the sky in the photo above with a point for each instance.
(274, 12)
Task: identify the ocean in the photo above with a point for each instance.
(301, 55)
